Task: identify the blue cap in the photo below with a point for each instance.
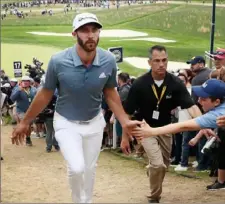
(211, 88)
(195, 60)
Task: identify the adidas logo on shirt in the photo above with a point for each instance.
(102, 75)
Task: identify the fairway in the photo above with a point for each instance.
(24, 53)
(185, 29)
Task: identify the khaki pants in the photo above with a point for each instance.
(158, 149)
(139, 149)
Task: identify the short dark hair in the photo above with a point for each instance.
(124, 77)
(159, 48)
(213, 98)
(183, 75)
(37, 80)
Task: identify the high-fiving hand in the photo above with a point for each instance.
(221, 121)
(143, 131)
(127, 135)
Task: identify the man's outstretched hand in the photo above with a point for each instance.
(19, 133)
(125, 145)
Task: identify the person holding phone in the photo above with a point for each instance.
(23, 95)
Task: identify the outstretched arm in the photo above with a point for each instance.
(146, 131)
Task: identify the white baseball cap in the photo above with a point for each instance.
(26, 78)
(13, 80)
(83, 19)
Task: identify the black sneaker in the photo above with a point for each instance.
(216, 186)
(28, 141)
(48, 150)
(174, 163)
(209, 186)
(153, 201)
(57, 147)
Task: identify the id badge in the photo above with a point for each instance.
(155, 115)
(29, 99)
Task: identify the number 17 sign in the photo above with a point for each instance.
(17, 69)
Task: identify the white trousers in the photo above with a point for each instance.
(80, 145)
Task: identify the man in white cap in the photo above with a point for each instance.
(81, 74)
(12, 106)
(13, 82)
(23, 96)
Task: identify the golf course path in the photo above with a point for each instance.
(29, 174)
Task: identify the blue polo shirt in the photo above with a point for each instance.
(208, 120)
(80, 88)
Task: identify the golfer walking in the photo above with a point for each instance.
(81, 74)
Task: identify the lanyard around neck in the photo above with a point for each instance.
(156, 95)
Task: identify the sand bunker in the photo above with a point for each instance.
(116, 33)
(160, 40)
(104, 33)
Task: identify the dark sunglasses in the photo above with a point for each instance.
(219, 53)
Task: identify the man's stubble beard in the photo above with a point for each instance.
(84, 45)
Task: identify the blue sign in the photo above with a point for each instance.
(118, 52)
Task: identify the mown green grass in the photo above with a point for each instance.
(189, 25)
(107, 17)
(184, 20)
(25, 53)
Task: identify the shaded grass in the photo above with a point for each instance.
(143, 162)
(25, 53)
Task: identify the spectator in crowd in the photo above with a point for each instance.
(48, 121)
(179, 139)
(23, 96)
(211, 97)
(188, 73)
(107, 133)
(7, 109)
(11, 105)
(154, 95)
(4, 77)
(40, 120)
(201, 75)
(3, 98)
(37, 83)
(132, 79)
(13, 83)
(123, 90)
(219, 59)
